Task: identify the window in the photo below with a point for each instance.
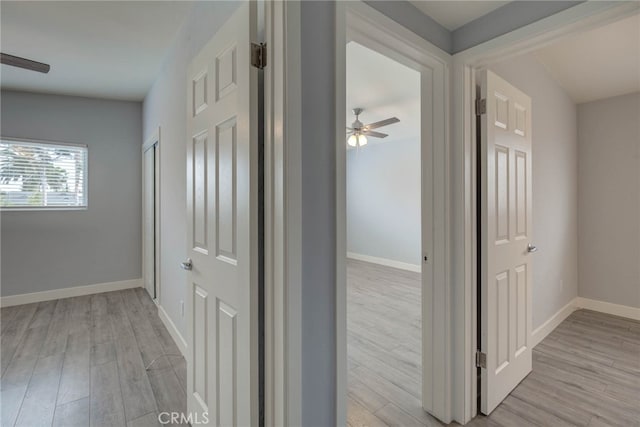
(42, 175)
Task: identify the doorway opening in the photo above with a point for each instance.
(151, 214)
(544, 284)
(384, 239)
(362, 179)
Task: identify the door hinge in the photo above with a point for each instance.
(481, 107)
(481, 359)
(259, 55)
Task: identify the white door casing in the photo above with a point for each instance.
(506, 225)
(222, 209)
(370, 28)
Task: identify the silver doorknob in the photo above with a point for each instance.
(187, 265)
(531, 248)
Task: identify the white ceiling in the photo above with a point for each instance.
(599, 63)
(454, 14)
(383, 88)
(104, 49)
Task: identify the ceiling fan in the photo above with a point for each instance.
(358, 131)
(27, 64)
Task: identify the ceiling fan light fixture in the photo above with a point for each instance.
(357, 140)
(358, 130)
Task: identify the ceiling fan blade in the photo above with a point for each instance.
(374, 134)
(16, 61)
(381, 123)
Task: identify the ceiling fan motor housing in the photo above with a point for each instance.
(357, 124)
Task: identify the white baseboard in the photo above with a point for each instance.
(547, 327)
(173, 331)
(577, 303)
(609, 308)
(69, 292)
(386, 262)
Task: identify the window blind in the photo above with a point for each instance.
(42, 175)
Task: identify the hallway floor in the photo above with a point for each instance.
(81, 361)
(585, 373)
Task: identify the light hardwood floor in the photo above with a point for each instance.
(585, 373)
(81, 362)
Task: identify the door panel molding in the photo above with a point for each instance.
(505, 263)
(222, 235)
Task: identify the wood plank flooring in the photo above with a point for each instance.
(585, 373)
(81, 362)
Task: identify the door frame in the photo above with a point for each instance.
(154, 139)
(579, 18)
(282, 215)
(357, 21)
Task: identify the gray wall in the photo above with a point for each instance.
(503, 20)
(383, 200)
(318, 214)
(609, 200)
(47, 250)
(507, 18)
(555, 197)
(165, 107)
(409, 16)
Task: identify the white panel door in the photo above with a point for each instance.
(505, 267)
(222, 205)
(150, 216)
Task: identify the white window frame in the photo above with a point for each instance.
(85, 177)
